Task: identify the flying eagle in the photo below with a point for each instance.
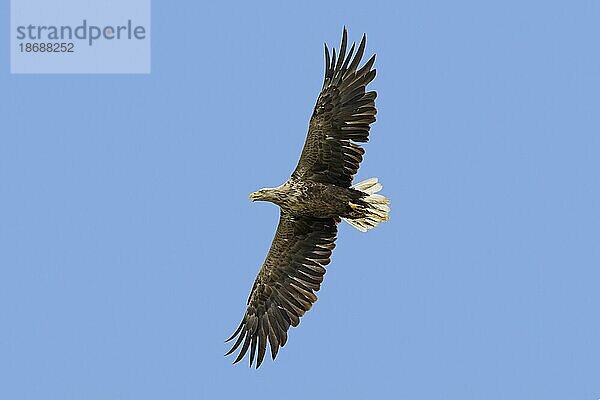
(318, 195)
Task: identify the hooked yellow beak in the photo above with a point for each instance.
(253, 196)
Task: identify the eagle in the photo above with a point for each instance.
(317, 196)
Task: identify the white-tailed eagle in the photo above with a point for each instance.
(318, 195)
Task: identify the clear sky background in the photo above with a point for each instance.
(128, 245)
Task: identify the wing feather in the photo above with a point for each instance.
(284, 288)
(341, 118)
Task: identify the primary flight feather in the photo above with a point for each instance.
(312, 202)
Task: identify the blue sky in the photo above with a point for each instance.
(128, 245)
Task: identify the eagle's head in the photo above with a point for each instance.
(266, 194)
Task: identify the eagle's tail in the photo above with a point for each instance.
(377, 209)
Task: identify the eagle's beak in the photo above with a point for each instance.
(254, 196)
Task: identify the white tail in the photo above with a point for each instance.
(377, 209)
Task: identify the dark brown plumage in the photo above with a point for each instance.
(342, 114)
(313, 201)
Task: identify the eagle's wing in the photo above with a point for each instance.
(284, 288)
(341, 116)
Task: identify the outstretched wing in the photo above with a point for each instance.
(341, 116)
(284, 288)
